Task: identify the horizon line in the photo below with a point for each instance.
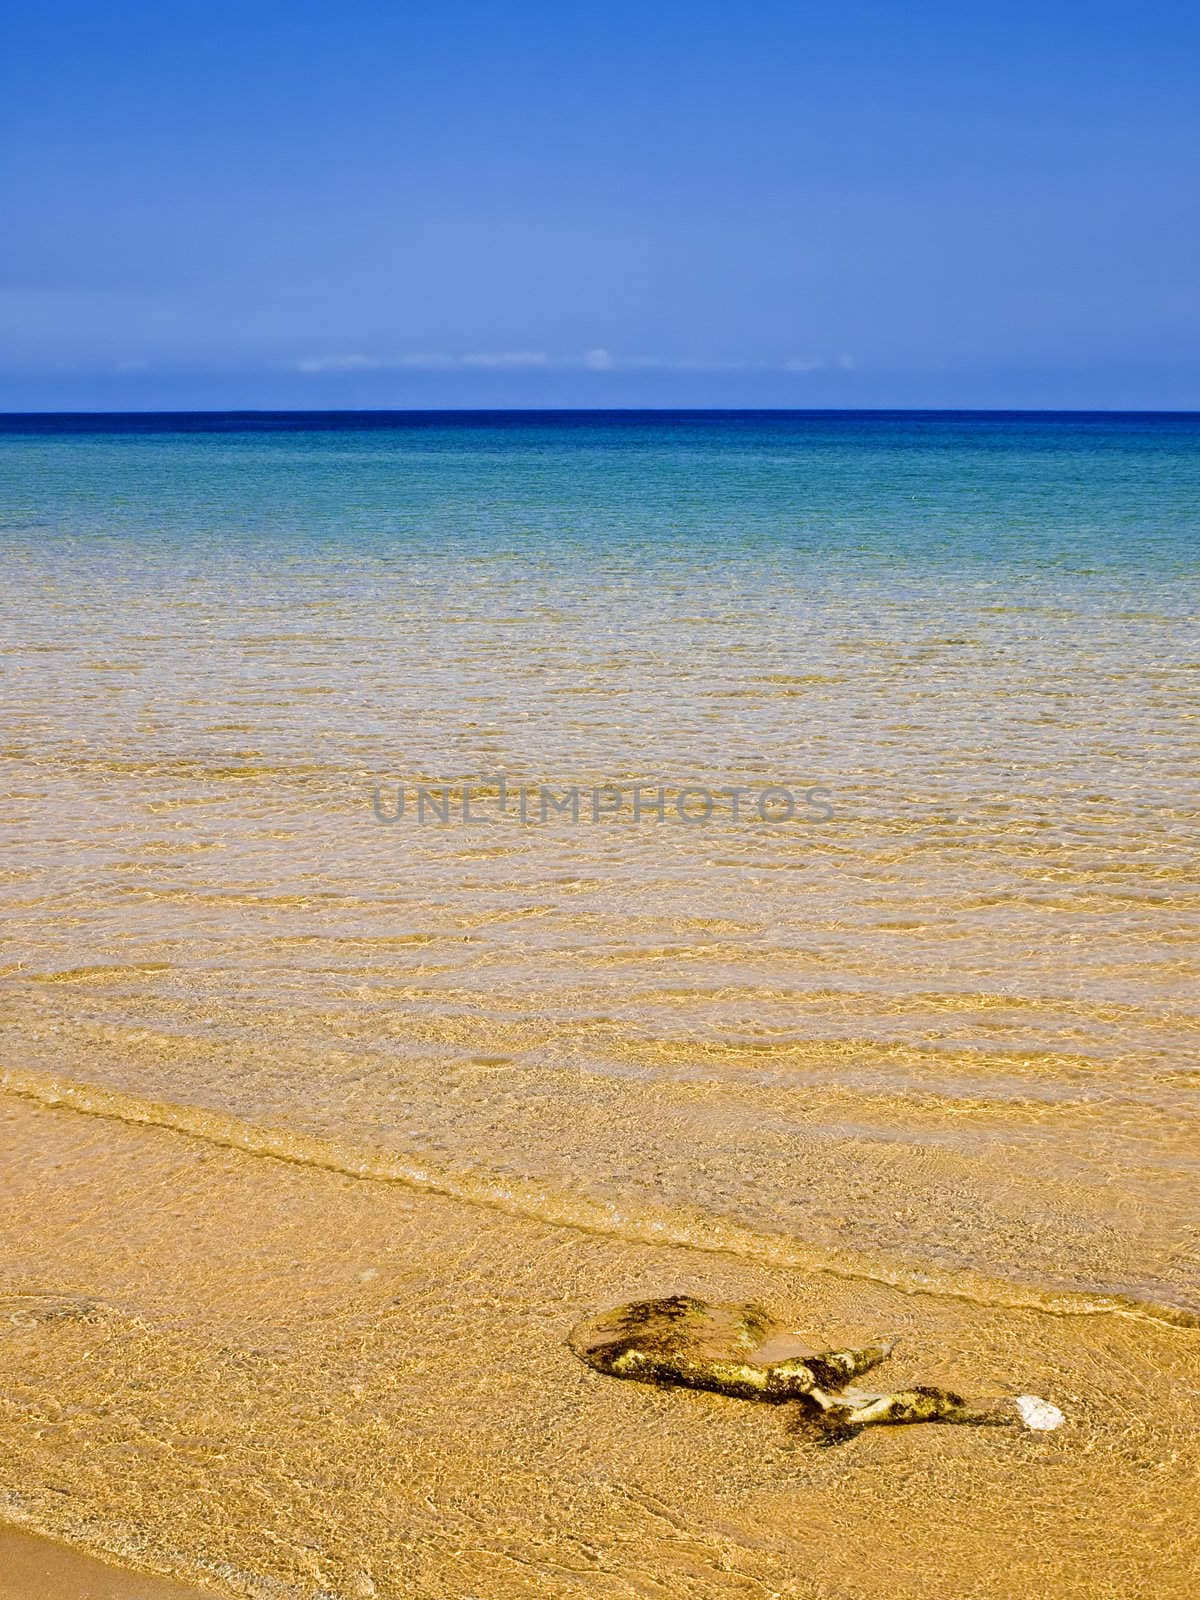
(600, 411)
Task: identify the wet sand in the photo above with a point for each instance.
(36, 1569)
(280, 1381)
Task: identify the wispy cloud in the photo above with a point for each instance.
(429, 361)
(338, 364)
(605, 361)
(507, 358)
(841, 363)
(594, 360)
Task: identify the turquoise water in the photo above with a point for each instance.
(951, 1029)
(1031, 492)
(1049, 493)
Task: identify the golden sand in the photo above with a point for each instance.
(286, 1381)
(36, 1569)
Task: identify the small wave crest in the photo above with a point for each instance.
(535, 1201)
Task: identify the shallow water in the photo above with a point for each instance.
(942, 1039)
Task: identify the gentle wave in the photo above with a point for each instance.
(536, 1202)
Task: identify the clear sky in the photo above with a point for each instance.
(541, 202)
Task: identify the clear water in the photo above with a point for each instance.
(948, 1032)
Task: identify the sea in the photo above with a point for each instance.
(941, 1018)
(768, 836)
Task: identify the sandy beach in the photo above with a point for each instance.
(261, 1349)
(324, 1121)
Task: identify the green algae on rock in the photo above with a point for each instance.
(700, 1344)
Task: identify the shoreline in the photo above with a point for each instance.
(539, 1203)
(375, 1388)
(34, 1568)
(321, 1135)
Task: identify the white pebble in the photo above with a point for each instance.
(1038, 1413)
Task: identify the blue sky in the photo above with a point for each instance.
(518, 203)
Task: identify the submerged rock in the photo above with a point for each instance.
(722, 1347)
